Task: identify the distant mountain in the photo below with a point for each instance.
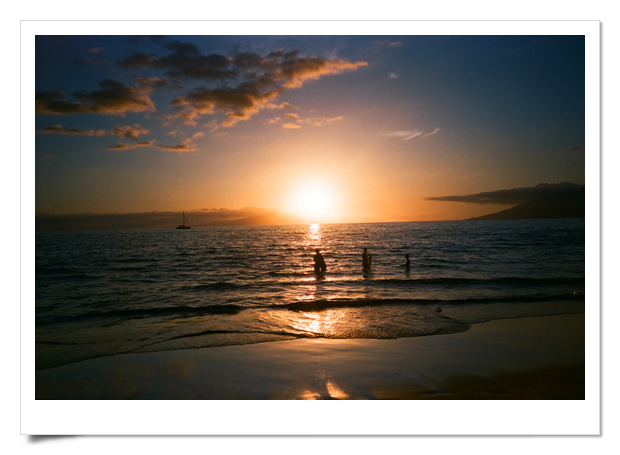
(558, 204)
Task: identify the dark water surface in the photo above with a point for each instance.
(106, 292)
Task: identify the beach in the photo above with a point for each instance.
(531, 358)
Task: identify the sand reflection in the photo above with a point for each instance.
(336, 392)
(332, 392)
(322, 323)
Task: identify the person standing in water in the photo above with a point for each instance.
(366, 259)
(407, 261)
(319, 262)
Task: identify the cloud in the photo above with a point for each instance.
(432, 133)
(184, 60)
(407, 135)
(121, 146)
(158, 83)
(241, 85)
(112, 98)
(321, 121)
(232, 87)
(393, 76)
(294, 71)
(129, 131)
(298, 122)
(122, 131)
(184, 146)
(237, 103)
(515, 195)
(58, 129)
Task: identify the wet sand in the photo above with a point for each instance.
(524, 358)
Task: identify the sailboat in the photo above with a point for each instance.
(185, 224)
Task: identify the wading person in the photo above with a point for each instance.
(319, 263)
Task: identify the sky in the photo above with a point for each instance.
(324, 128)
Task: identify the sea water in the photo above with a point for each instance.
(107, 292)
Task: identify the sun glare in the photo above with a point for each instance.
(315, 203)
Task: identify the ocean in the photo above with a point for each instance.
(108, 292)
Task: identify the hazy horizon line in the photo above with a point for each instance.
(47, 221)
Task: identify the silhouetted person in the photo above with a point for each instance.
(407, 261)
(366, 259)
(319, 263)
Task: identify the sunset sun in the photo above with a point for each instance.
(315, 203)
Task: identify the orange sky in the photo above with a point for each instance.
(329, 128)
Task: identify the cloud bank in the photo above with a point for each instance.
(237, 86)
(227, 88)
(515, 195)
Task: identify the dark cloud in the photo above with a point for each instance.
(58, 129)
(128, 131)
(47, 102)
(236, 86)
(112, 97)
(121, 146)
(185, 60)
(116, 98)
(260, 81)
(159, 83)
(237, 103)
(515, 195)
(184, 146)
(122, 131)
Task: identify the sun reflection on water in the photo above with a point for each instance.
(313, 236)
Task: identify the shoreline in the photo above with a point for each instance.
(534, 357)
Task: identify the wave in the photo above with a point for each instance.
(140, 313)
(185, 311)
(401, 282)
(216, 286)
(481, 281)
(288, 274)
(325, 304)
